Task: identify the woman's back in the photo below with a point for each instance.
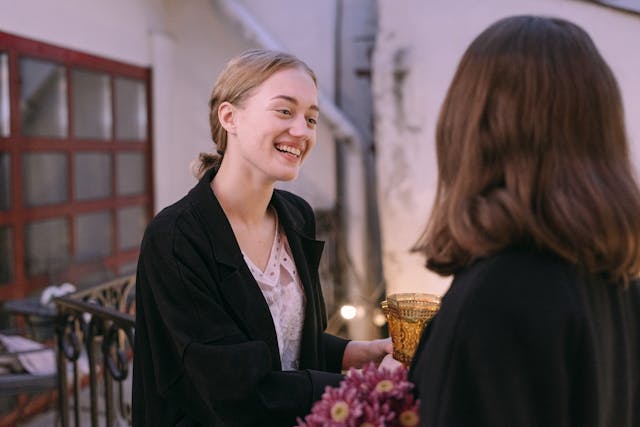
(612, 362)
(524, 339)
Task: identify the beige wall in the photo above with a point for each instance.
(116, 29)
(423, 40)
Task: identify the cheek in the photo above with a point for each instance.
(309, 149)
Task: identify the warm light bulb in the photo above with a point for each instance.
(379, 319)
(348, 312)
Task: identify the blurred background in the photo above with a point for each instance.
(103, 105)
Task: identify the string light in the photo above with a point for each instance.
(379, 319)
(348, 312)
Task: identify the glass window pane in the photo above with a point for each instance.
(5, 181)
(94, 234)
(132, 221)
(131, 110)
(5, 113)
(93, 278)
(6, 255)
(91, 105)
(47, 246)
(45, 178)
(131, 172)
(43, 98)
(92, 175)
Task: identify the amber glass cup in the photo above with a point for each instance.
(407, 315)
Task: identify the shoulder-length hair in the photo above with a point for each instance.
(532, 152)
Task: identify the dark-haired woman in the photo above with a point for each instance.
(537, 216)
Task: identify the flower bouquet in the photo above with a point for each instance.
(366, 398)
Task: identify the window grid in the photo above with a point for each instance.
(15, 145)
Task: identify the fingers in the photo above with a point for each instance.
(381, 348)
(389, 363)
(387, 345)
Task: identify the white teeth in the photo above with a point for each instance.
(293, 150)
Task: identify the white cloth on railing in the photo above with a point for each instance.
(50, 292)
(41, 362)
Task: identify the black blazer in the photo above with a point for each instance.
(525, 339)
(206, 351)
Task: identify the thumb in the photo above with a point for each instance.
(387, 345)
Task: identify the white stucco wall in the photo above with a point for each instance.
(196, 44)
(116, 29)
(305, 28)
(425, 40)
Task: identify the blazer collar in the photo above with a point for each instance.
(225, 245)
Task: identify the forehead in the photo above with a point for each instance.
(292, 83)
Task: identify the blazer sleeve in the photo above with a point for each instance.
(198, 351)
(334, 347)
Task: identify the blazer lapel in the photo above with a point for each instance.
(237, 285)
(306, 253)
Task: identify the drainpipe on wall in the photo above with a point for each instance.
(351, 180)
(356, 176)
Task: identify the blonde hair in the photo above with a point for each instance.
(235, 84)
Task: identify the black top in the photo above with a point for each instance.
(206, 351)
(523, 339)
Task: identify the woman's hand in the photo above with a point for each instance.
(389, 363)
(359, 353)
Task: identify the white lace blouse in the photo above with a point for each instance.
(281, 287)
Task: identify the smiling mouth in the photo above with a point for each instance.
(289, 150)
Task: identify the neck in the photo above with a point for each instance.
(243, 199)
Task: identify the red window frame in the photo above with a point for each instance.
(15, 144)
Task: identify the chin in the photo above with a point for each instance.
(288, 176)
(287, 172)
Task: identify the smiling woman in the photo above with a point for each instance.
(271, 132)
(230, 315)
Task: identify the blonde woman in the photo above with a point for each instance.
(230, 316)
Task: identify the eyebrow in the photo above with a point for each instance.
(294, 101)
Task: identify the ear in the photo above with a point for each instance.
(227, 116)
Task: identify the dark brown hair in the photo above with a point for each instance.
(532, 151)
(235, 84)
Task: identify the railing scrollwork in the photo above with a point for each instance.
(95, 333)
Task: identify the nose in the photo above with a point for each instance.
(300, 128)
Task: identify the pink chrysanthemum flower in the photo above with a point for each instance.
(409, 418)
(381, 383)
(338, 407)
(367, 398)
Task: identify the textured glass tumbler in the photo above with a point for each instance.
(407, 315)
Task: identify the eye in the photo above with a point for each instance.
(284, 112)
(312, 121)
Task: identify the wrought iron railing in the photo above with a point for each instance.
(96, 325)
